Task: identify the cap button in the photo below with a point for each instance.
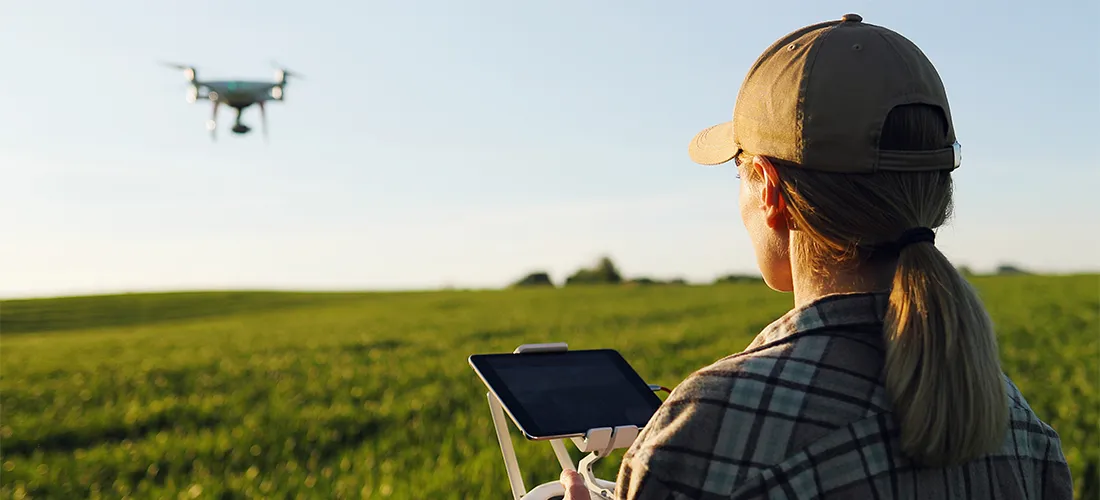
(855, 18)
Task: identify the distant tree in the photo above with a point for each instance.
(605, 272)
(645, 280)
(1008, 269)
(966, 271)
(535, 279)
(738, 278)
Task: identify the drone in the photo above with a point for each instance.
(237, 94)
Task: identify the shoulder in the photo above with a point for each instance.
(733, 419)
(723, 424)
(1029, 435)
(696, 445)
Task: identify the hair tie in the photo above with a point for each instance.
(914, 235)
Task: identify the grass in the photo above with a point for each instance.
(276, 395)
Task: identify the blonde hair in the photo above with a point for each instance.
(942, 370)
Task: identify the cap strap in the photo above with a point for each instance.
(911, 161)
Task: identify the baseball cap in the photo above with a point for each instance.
(818, 98)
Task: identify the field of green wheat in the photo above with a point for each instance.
(284, 395)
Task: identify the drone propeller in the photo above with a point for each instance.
(188, 70)
(282, 73)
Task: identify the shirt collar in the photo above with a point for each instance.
(830, 311)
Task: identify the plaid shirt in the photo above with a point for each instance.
(802, 413)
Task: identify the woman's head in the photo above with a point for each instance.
(844, 143)
(825, 222)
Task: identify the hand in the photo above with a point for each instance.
(574, 486)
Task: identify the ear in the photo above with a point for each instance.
(775, 207)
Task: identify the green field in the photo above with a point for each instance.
(275, 395)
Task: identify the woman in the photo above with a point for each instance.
(884, 380)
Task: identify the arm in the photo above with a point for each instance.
(707, 438)
(640, 484)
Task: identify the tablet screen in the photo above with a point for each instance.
(567, 393)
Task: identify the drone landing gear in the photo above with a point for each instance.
(598, 443)
(212, 123)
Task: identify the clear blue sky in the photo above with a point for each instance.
(467, 143)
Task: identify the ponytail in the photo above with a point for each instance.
(942, 369)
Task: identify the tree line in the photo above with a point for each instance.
(605, 272)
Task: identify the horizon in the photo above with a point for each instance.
(558, 283)
(466, 149)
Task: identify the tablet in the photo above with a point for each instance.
(552, 395)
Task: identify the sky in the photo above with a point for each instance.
(465, 144)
